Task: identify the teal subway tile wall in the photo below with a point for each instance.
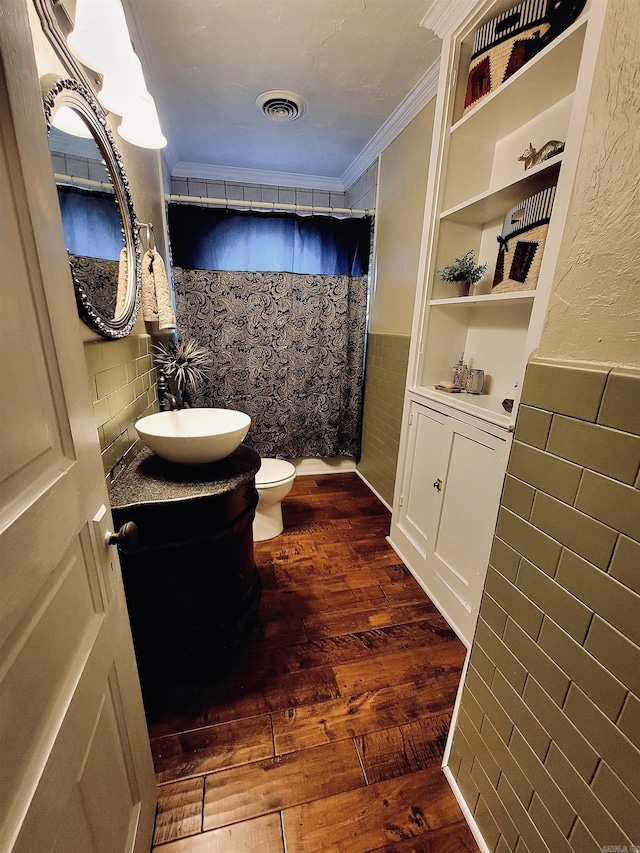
(123, 388)
(546, 751)
(386, 373)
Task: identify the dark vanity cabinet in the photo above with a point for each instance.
(190, 578)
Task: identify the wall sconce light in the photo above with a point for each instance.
(119, 82)
(100, 36)
(140, 124)
(100, 40)
(68, 121)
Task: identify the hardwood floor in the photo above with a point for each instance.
(324, 732)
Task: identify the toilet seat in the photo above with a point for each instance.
(274, 471)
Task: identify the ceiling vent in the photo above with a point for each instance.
(281, 106)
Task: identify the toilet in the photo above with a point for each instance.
(273, 482)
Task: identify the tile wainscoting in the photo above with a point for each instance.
(385, 378)
(123, 389)
(546, 751)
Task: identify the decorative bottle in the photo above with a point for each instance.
(460, 372)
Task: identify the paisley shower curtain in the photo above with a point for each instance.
(288, 349)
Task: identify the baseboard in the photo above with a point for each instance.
(376, 493)
(456, 709)
(466, 811)
(313, 465)
(442, 610)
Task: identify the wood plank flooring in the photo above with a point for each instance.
(324, 731)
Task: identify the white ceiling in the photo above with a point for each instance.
(353, 61)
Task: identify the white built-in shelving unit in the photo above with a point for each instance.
(454, 447)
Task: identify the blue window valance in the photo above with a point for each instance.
(91, 223)
(204, 238)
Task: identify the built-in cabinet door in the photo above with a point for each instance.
(424, 473)
(77, 774)
(451, 491)
(470, 498)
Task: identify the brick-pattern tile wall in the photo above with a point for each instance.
(123, 388)
(79, 167)
(546, 750)
(386, 373)
(362, 194)
(201, 188)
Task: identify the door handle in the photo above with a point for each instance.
(126, 538)
(438, 485)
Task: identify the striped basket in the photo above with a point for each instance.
(522, 241)
(505, 43)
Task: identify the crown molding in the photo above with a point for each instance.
(444, 16)
(168, 153)
(424, 90)
(239, 175)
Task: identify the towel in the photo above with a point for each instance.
(156, 293)
(123, 283)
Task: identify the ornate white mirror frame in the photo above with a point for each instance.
(75, 92)
(72, 94)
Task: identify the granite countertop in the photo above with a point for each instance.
(150, 479)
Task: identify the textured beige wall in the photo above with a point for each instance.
(401, 195)
(121, 375)
(594, 311)
(402, 181)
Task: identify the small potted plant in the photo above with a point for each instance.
(462, 273)
(184, 364)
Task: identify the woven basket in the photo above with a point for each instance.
(502, 46)
(505, 43)
(524, 234)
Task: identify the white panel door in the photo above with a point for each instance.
(76, 766)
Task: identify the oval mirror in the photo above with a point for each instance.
(99, 221)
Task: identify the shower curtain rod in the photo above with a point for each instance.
(88, 183)
(345, 212)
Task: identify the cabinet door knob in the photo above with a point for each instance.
(438, 485)
(126, 538)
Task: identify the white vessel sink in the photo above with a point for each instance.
(194, 436)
